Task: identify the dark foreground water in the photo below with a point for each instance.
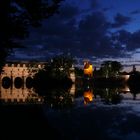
(24, 122)
(98, 121)
(93, 121)
(90, 114)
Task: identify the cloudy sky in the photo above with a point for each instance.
(88, 29)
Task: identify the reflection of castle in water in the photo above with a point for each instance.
(88, 96)
(111, 95)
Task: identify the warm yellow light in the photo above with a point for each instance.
(88, 70)
(88, 96)
(127, 77)
(125, 89)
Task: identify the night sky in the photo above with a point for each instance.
(95, 29)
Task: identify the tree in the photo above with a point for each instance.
(79, 72)
(110, 96)
(17, 16)
(116, 67)
(55, 73)
(59, 98)
(60, 66)
(105, 68)
(110, 68)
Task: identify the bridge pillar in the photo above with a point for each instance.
(24, 81)
(12, 85)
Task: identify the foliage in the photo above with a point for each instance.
(109, 95)
(60, 66)
(18, 16)
(59, 99)
(79, 72)
(110, 68)
(55, 72)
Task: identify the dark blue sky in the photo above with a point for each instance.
(93, 29)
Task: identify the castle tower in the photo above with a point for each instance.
(88, 68)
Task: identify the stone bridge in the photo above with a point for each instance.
(16, 72)
(23, 71)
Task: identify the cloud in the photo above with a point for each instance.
(94, 4)
(85, 36)
(68, 12)
(121, 38)
(134, 42)
(89, 38)
(120, 20)
(107, 8)
(135, 12)
(126, 41)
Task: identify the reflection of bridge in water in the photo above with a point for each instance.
(21, 95)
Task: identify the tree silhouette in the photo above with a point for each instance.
(17, 16)
(60, 66)
(111, 68)
(56, 73)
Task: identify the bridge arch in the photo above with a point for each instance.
(18, 82)
(6, 82)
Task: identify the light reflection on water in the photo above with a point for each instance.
(99, 113)
(61, 98)
(111, 96)
(21, 95)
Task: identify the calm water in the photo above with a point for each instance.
(75, 114)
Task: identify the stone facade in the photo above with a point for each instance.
(22, 70)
